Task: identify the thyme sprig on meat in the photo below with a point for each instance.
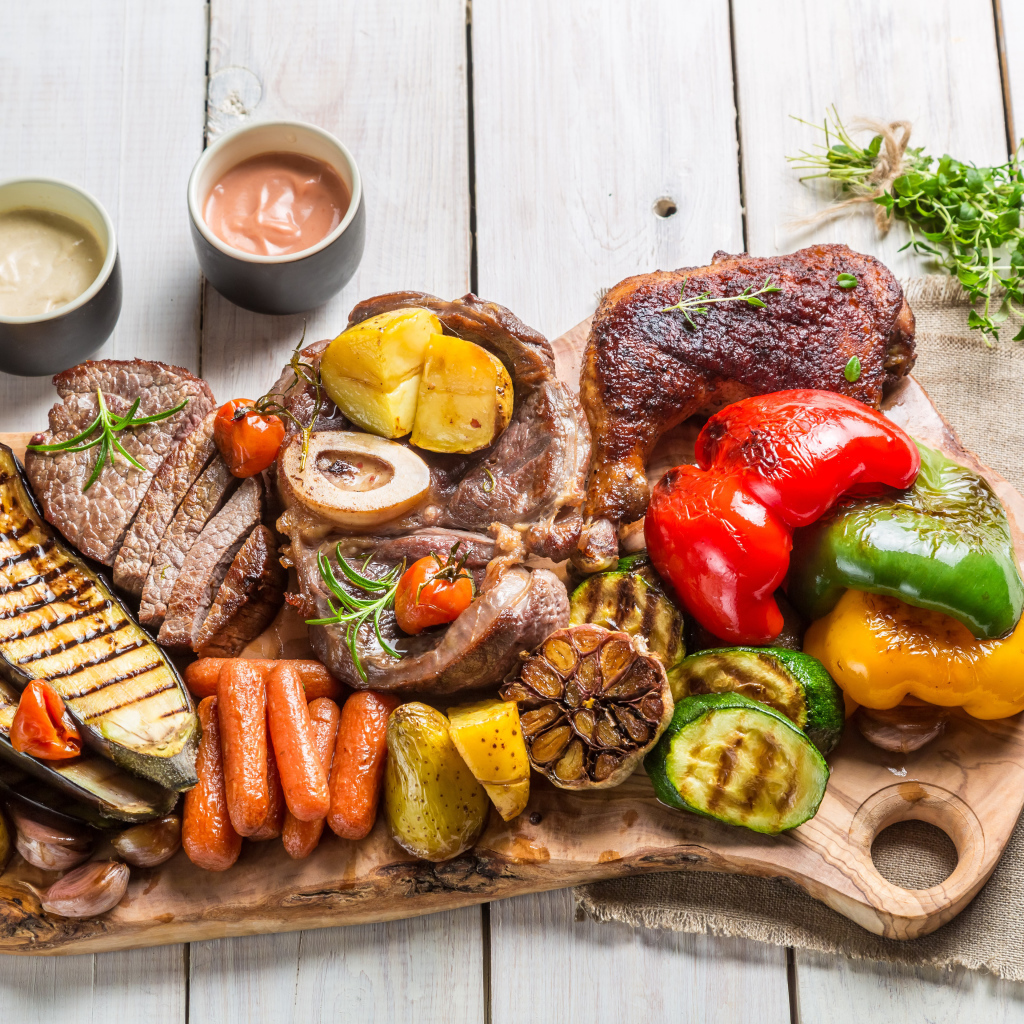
(699, 303)
(109, 426)
(350, 611)
(967, 218)
(273, 402)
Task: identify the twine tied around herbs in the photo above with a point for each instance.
(888, 167)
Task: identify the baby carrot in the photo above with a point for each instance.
(206, 831)
(271, 828)
(302, 774)
(242, 713)
(359, 763)
(201, 676)
(300, 838)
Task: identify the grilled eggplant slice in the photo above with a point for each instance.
(60, 621)
(88, 788)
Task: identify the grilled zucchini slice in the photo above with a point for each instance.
(89, 788)
(60, 621)
(794, 684)
(631, 599)
(734, 759)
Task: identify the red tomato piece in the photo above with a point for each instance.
(42, 726)
(249, 440)
(432, 591)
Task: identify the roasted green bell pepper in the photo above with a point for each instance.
(944, 545)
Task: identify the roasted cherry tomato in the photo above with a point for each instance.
(432, 591)
(248, 439)
(42, 726)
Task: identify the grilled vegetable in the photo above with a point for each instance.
(631, 598)
(88, 891)
(146, 846)
(61, 622)
(434, 806)
(593, 703)
(42, 726)
(734, 759)
(792, 683)
(88, 788)
(489, 737)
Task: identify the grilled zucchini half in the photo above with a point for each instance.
(794, 684)
(60, 621)
(631, 599)
(734, 759)
(88, 788)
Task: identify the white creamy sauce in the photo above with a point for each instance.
(46, 261)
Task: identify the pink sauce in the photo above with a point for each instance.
(276, 203)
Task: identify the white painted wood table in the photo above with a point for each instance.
(519, 149)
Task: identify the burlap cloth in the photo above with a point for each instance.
(980, 391)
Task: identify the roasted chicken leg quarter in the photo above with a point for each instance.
(646, 368)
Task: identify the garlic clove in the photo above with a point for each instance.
(49, 856)
(92, 889)
(149, 844)
(43, 832)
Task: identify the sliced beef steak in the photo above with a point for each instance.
(202, 502)
(513, 611)
(172, 482)
(207, 563)
(96, 521)
(248, 599)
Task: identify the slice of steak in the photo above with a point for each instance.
(207, 563)
(96, 521)
(248, 599)
(514, 610)
(202, 502)
(172, 482)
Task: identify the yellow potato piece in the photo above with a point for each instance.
(488, 736)
(372, 369)
(465, 397)
(510, 800)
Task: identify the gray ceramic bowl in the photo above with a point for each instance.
(34, 346)
(297, 281)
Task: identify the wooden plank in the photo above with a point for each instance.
(930, 61)
(843, 991)
(111, 98)
(389, 80)
(80, 89)
(934, 63)
(586, 115)
(584, 120)
(425, 969)
(1011, 14)
(93, 989)
(547, 967)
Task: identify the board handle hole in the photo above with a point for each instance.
(914, 854)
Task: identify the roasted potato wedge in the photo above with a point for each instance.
(434, 806)
(465, 397)
(372, 369)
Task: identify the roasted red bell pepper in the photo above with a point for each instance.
(42, 726)
(721, 533)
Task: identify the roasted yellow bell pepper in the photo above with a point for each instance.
(879, 650)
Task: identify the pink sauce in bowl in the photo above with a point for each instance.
(276, 203)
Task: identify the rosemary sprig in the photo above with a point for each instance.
(272, 403)
(351, 612)
(109, 425)
(699, 303)
(967, 218)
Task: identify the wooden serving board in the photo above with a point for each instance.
(969, 782)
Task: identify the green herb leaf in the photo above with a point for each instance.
(846, 281)
(699, 304)
(109, 425)
(852, 370)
